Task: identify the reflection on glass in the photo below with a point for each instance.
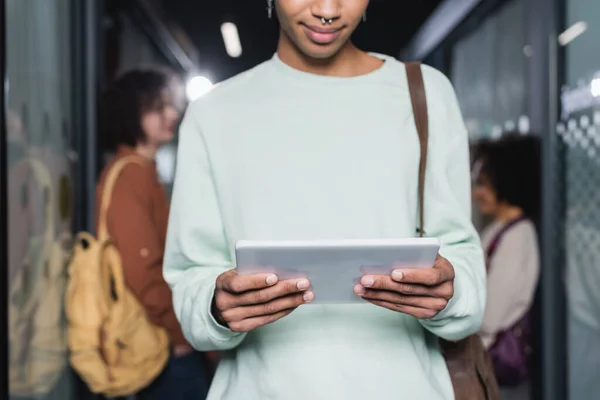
(39, 196)
(37, 334)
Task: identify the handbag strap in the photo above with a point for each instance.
(491, 249)
(469, 350)
(418, 99)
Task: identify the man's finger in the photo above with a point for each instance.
(249, 324)
(223, 278)
(427, 302)
(236, 283)
(280, 289)
(441, 272)
(272, 307)
(385, 282)
(417, 312)
(445, 290)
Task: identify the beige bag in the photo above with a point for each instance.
(115, 349)
(37, 327)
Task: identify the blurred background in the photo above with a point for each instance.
(526, 66)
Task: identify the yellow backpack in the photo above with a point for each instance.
(37, 326)
(115, 349)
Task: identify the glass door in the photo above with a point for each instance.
(579, 130)
(39, 123)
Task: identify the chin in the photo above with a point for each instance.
(321, 52)
(317, 51)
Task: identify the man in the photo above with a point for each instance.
(320, 142)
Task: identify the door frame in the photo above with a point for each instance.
(3, 200)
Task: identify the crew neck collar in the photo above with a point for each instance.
(309, 77)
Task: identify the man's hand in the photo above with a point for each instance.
(422, 293)
(246, 302)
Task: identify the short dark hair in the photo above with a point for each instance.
(512, 165)
(124, 103)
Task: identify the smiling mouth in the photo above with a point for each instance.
(321, 35)
(320, 29)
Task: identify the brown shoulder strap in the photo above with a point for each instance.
(419, 105)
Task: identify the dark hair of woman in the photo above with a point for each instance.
(512, 166)
(123, 104)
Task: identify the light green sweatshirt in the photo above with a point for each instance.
(279, 154)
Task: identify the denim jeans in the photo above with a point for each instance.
(184, 378)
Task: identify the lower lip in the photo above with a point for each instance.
(321, 38)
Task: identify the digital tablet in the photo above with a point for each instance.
(334, 266)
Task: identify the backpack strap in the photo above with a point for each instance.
(109, 185)
(418, 99)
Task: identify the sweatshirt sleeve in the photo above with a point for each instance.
(197, 251)
(448, 212)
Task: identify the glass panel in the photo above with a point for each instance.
(40, 197)
(580, 132)
(492, 91)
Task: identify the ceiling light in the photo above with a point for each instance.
(197, 87)
(231, 39)
(572, 33)
(524, 124)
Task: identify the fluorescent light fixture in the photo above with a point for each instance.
(231, 39)
(595, 87)
(572, 33)
(524, 124)
(509, 126)
(496, 131)
(197, 87)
